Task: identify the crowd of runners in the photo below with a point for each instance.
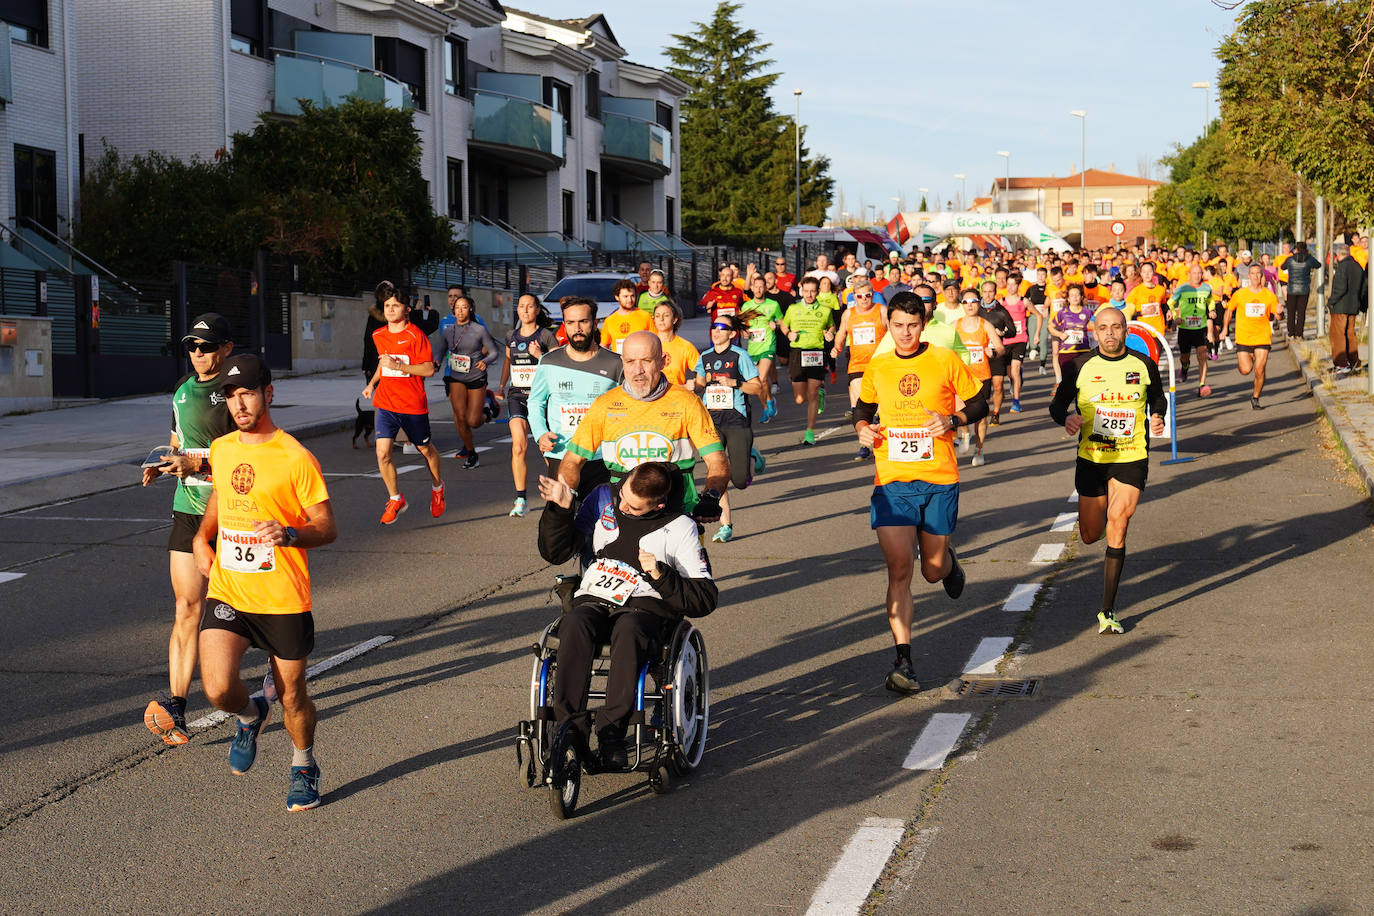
(933, 348)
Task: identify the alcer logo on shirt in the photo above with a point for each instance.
(909, 384)
(242, 479)
(637, 448)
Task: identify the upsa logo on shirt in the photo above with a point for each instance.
(242, 479)
(909, 384)
(637, 448)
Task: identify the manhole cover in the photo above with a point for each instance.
(996, 687)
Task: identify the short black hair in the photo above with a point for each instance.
(907, 301)
(652, 480)
(385, 290)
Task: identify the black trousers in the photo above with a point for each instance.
(591, 623)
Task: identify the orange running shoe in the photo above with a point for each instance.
(436, 501)
(166, 720)
(394, 507)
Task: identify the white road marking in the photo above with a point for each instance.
(937, 741)
(1048, 553)
(1073, 497)
(851, 878)
(829, 432)
(1064, 521)
(987, 654)
(10, 577)
(1021, 598)
(314, 670)
(454, 452)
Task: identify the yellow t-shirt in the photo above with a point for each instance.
(1359, 253)
(682, 359)
(908, 390)
(1147, 302)
(626, 432)
(277, 480)
(1254, 308)
(621, 324)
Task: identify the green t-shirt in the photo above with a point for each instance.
(199, 416)
(648, 301)
(810, 322)
(1192, 303)
(763, 340)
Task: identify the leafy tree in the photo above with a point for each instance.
(738, 165)
(1294, 88)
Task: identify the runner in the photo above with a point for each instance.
(268, 507)
(1019, 308)
(646, 419)
(981, 342)
(723, 298)
(1254, 307)
(784, 298)
(808, 324)
(566, 383)
(198, 418)
(862, 329)
(464, 348)
(1148, 302)
(761, 317)
(404, 362)
(1192, 303)
(526, 343)
(1072, 330)
(655, 292)
(1116, 391)
(998, 316)
(726, 376)
(916, 495)
(786, 281)
(625, 320)
(679, 352)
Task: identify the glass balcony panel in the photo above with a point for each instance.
(509, 121)
(325, 82)
(625, 137)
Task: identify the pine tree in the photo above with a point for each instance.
(738, 154)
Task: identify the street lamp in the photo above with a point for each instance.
(797, 124)
(1083, 171)
(963, 196)
(1006, 204)
(1206, 104)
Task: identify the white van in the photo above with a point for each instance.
(865, 244)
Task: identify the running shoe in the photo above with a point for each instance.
(809, 437)
(978, 459)
(394, 507)
(954, 582)
(849, 415)
(770, 410)
(1229, 343)
(820, 401)
(759, 463)
(436, 501)
(1212, 356)
(269, 688)
(462, 452)
(490, 407)
(471, 461)
(995, 419)
(1205, 391)
(244, 748)
(1183, 373)
(1015, 405)
(1107, 623)
(834, 377)
(864, 454)
(305, 788)
(902, 679)
(1255, 404)
(167, 720)
(1042, 368)
(724, 534)
(1033, 355)
(518, 510)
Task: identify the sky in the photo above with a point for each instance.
(976, 77)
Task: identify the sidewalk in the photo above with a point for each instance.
(1346, 402)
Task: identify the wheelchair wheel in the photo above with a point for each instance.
(565, 774)
(659, 780)
(691, 703)
(526, 757)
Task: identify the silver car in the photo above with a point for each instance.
(595, 286)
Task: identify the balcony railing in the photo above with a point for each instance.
(323, 82)
(638, 140)
(507, 120)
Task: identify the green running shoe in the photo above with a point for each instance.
(1107, 623)
(809, 437)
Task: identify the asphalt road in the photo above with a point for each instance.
(1211, 759)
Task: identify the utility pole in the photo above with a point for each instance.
(1083, 171)
(797, 124)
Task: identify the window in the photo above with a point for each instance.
(248, 27)
(456, 66)
(1102, 208)
(569, 212)
(663, 114)
(591, 196)
(35, 186)
(405, 62)
(1066, 208)
(670, 210)
(455, 189)
(594, 95)
(558, 96)
(27, 19)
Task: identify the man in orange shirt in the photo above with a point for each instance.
(405, 360)
(626, 319)
(1253, 306)
(915, 387)
(1149, 300)
(268, 507)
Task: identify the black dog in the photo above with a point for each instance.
(364, 424)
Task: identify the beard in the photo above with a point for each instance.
(580, 342)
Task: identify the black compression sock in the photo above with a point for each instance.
(903, 652)
(520, 494)
(1111, 575)
(179, 702)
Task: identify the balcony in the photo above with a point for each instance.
(323, 82)
(520, 131)
(635, 146)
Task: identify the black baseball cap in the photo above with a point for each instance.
(245, 370)
(210, 327)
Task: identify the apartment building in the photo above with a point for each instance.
(1108, 197)
(536, 132)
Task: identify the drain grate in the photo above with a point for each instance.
(994, 687)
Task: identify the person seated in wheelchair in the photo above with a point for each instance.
(648, 570)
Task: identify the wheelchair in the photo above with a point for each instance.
(668, 733)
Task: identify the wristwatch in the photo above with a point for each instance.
(714, 494)
(291, 536)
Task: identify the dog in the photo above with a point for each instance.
(364, 424)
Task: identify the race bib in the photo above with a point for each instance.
(811, 359)
(1193, 322)
(618, 345)
(725, 311)
(1073, 338)
(1254, 310)
(1020, 328)
(396, 373)
(522, 376)
(758, 335)
(569, 416)
(459, 363)
(245, 552)
(1114, 422)
(910, 445)
(718, 397)
(612, 580)
(975, 354)
(1150, 310)
(865, 335)
(1058, 304)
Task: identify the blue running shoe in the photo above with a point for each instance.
(759, 463)
(305, 788)
(244, 750)
(1015, 405)
(769, 410)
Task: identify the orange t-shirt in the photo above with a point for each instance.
(1148, 303)
(976, 350)
(621, 324)
(1254, 308)
(681, 359)
(397, 391)
(866, 331)
(908, 391)
(1056, 297)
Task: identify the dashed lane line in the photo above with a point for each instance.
(10, 577)
(1047, 554)
(1064, 521)
(987, 654)
(1022, 597)
(937, 741)
(851, 878)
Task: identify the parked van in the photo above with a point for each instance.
(865, 244)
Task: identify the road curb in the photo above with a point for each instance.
(1335, 415)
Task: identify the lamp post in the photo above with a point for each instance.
(796, 93)
(1006, 204)
(1206, 104)
(963, 195)
(1083, 171)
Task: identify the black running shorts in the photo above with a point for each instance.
(285, 636)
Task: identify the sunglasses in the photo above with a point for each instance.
(863, 295)
(200, 346)
(970, 302)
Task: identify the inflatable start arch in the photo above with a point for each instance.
(944, 224)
